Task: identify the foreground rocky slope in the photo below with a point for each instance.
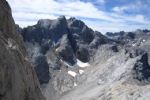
(117, 75)
(18, 80)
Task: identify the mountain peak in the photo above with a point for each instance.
(44, 22)
(73, 22)
(62, 17)
(72, 18)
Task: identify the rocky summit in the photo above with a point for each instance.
(64, 59)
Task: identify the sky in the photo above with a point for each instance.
(100, 15)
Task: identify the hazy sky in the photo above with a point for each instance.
(101, 15)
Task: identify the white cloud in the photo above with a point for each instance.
(120, 9)
(135, 6)
(28, 12)
(140, 17)
(25, 19)
(82, 64)
(51, 7)
(115, 27)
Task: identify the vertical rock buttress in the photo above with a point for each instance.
(18, 80)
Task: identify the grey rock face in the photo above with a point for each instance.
(65, 51)
(142, 68)
(45, 30)
(18, 80)
(135, 52)
(45, 33)
(83, 54)
(53, 30)
(80, 32)
(42, 72)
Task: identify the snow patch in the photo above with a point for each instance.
(81, 71)
(56, 49)
(133, 45)
(143, 41)
(82, 64)
(75, 84)
(72, 73)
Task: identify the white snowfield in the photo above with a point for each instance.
(75, 84)
(56, 50)
(81, 71)
(72, 73)
(82, 64)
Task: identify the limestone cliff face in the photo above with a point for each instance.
(18, 80)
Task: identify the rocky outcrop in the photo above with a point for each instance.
(142, 69)
(18, 80)
(42, 72)
(65, 51)
(80, 32)
(46, 29)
